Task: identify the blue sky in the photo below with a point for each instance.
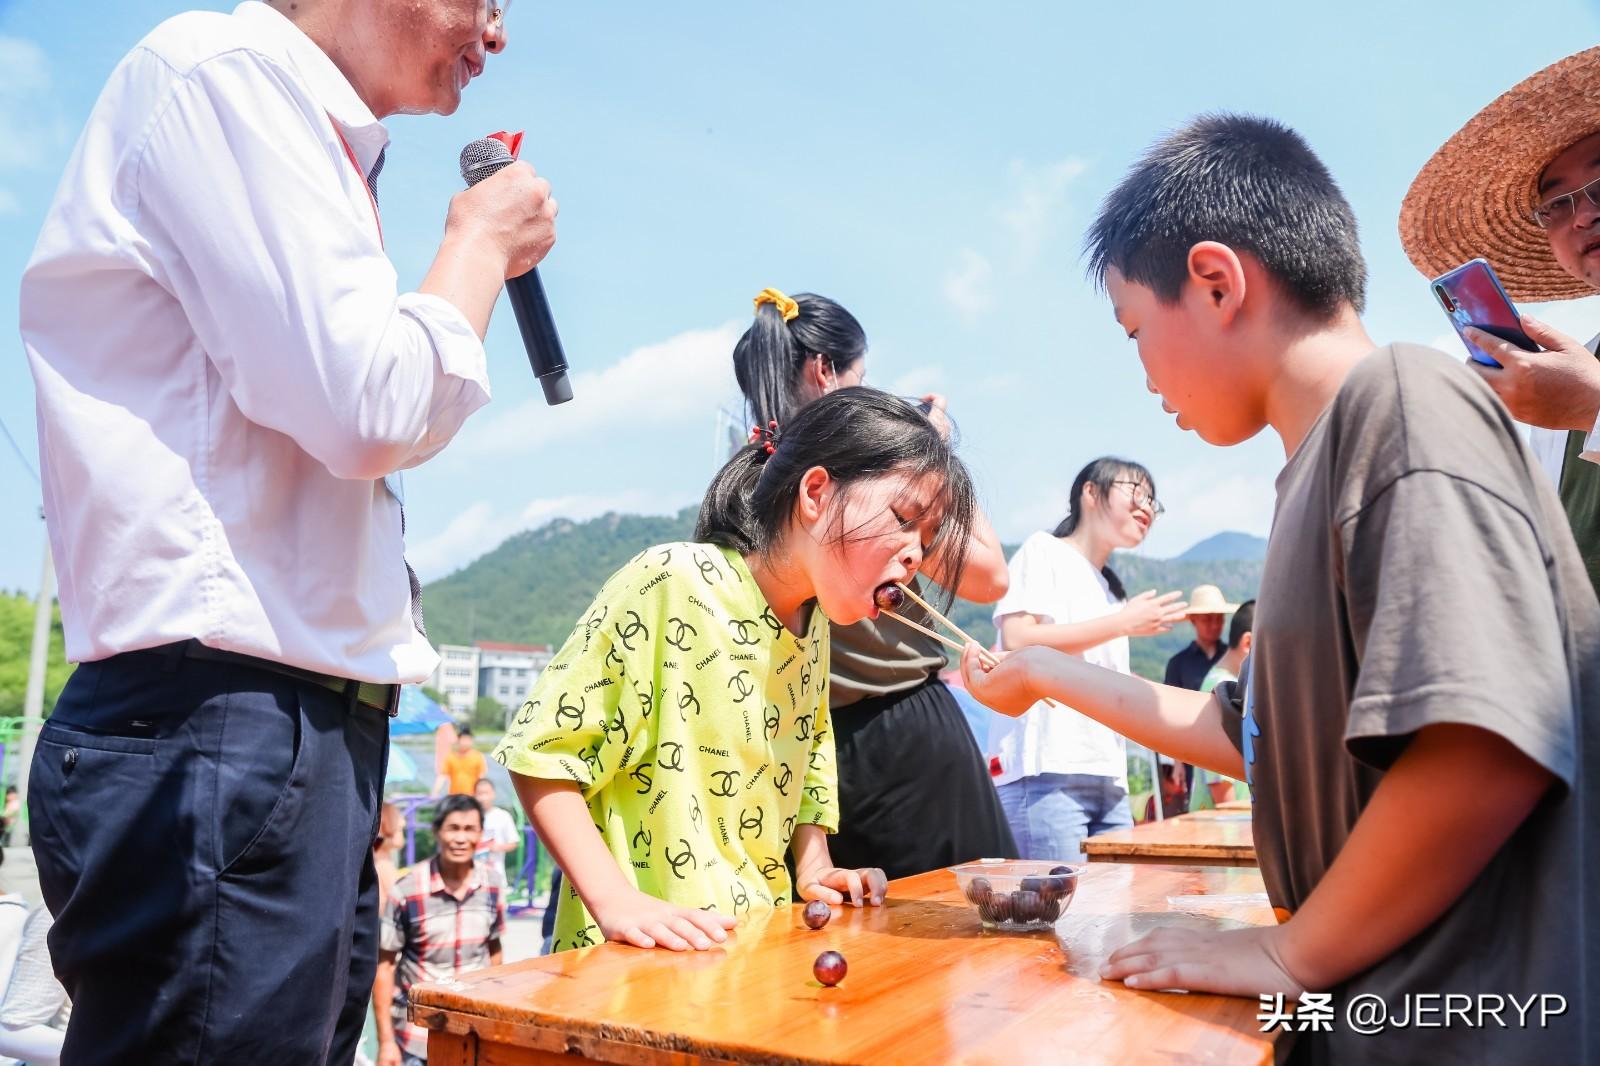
(931, 166)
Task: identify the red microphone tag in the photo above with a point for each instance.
(512, 141)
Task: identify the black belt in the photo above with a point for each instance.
(385, 698)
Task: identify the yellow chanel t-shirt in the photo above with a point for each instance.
(696, 726)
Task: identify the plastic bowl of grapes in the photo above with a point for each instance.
(1018, 895)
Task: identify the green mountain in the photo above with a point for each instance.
(1226, 546)
(532, 589)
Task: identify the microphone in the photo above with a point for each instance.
(479, 160)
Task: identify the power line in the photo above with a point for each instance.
(21, 456)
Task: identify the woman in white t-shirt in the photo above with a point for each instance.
(1062, 776)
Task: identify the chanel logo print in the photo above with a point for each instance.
(818, 793)
(772, 621)
(647, 698)
(745, 632)
(591, 758)
(751, 824)
(529, 709)
(741, 898)
(814, 756)
(681, 859)
(788, 829)
(694, 810)
(770, 868)
(670, 757)
(805, 678)
(641, 839)
(500, 757)
(666, 556)
(614, 725)
(782, 780)
(740, 683)
(566, 712)
(582, 939)
(613, 659)
(772, 721)
(642, 776)
(707, 568)
(635, 628)
(727, 782)
(802, 727)
(679, 632)
(595, 621)
(688, 700)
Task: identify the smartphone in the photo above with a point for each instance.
(1472, 296)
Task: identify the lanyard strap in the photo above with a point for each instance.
(351, 155)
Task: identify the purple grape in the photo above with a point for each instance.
(889, 597)
(1054, 870)
(1026, 906)
(829, 968)
(817, 914)
(1031, 884)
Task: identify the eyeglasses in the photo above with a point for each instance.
(495, 12)
(1141, 496)
(1558, 210)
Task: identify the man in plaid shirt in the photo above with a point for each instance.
(442, 919)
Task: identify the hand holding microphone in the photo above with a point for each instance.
(511, 208)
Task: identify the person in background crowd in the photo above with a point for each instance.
(446, 918)
(1208, 613)
(1211, 788)
(500, 836)
(462, 769)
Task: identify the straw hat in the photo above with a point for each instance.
(1208, 599)
(1476, 196)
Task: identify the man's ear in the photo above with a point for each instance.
(1216, 272)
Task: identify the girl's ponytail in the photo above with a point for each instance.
(770, 359)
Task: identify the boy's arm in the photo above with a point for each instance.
(621, 911)
(1449, 803)
(1186, 725)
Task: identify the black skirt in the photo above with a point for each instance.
(914, 793)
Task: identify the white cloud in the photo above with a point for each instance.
(482, 527)
(676, 383)
(966, 286)
(918, 381)
(27, 114)
(1035, 205)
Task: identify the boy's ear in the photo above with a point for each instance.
(1215, 270)
(1245, 642)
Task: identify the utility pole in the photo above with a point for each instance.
(33, 702)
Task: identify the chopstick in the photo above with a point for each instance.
(926, 606)
(983, 653)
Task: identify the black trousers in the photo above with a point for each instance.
(203, 833)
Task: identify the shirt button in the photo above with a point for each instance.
(69, 760)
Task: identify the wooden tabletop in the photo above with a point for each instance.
(1218, 837)
(926, 984)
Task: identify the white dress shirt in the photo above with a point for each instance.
(225, 369)
(1549, 446)
(1052, 580)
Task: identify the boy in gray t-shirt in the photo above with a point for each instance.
(1424, 684)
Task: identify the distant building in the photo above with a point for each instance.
(506, 672)
(457, 677)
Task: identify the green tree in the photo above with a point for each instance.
(16, 645)
(488, 715)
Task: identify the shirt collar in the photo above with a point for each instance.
(328, 85)
(436, 881)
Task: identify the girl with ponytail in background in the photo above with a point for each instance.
(1063, 776)
(915, 793)
(678, 750)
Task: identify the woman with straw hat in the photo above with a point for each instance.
(1519, 185)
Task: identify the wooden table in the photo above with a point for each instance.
(926, 985)
(1204, 838)
(1233, 805)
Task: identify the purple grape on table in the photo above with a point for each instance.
(1000, 905)
(829, 968)
(1027, 906)
(1058, 870)
(978, 891)
(817, 914)
(889, 597)
(1031, 884)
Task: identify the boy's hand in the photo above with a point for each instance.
(646, 922)
(832, 884)
(1232, 962)
(1005, 687)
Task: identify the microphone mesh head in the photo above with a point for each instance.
(482, 158)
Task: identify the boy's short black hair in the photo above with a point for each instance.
(453, 803)
(464, 731)
(1250, 183)
(1244, 620)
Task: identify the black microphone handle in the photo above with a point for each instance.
(539, 336)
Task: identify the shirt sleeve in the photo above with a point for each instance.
(1029, 591)
(587, 715)
(283, 278)
(34, 996)
(819, 795)
(393, 932)
(1470, 635)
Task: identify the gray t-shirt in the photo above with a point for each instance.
(1420, 571)
(877, 657)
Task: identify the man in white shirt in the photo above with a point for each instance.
(227, 378)
(1519, 185)
(500, 834)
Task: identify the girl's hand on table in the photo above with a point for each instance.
(832, 884)
(640, 919)
(1231, 962)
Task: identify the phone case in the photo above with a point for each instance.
(1471, 295)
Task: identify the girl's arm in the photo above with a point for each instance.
(1145, 615)
(817, 877)
(622, 912)
(984, 578)
(1186, 725)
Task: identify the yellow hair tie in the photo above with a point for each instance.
(786, 307)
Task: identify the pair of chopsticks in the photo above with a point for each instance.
(989, 661)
